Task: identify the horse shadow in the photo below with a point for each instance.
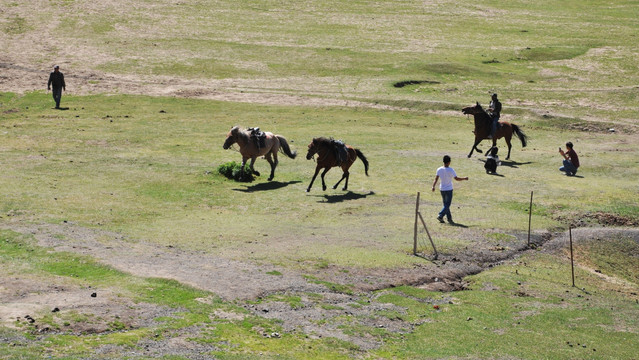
(271, 185)
(514, 164)
(343, 197)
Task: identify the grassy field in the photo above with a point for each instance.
(153, 88)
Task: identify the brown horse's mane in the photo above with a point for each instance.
(323, 140)
(484, 113)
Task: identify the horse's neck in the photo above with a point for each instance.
(323, 149)
(482, 119)
(242, 138)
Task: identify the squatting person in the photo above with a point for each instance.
(571, 160)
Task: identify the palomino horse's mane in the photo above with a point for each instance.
(239, 131)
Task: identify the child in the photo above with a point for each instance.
(492, 161)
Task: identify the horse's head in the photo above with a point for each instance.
(231, 137)
(312, 149)
(473, 110)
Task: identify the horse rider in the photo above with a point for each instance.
(494, 110)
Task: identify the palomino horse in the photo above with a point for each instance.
(250, 150)
(327, 157)
(482, 129)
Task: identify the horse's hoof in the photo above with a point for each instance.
(344, 189)
(256, 173)
(324, 188)
(308, 190)
(334, 187)
(270, 179)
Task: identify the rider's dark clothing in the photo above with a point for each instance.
(495, 107)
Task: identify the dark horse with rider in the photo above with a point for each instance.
(487, 126)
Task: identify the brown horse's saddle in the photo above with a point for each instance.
(341, 152)
(258, 136)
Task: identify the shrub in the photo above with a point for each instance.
(232, 170)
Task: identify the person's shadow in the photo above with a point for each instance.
(456, 224)
(61, 108)
(271, 185)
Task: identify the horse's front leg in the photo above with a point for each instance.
(323, 182)
(242, 168)
(317, 169)
(477, 141)
(251, 166)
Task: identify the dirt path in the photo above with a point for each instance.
(229, 279)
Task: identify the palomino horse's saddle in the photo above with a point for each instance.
(341, 152)
(258, 136)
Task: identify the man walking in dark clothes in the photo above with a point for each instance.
(56, 79)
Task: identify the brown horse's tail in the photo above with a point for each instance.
(285, 148)
(364, 160)
(520, 134)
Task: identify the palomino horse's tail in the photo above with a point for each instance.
(364, 160)
(285, 148)
(520, 134)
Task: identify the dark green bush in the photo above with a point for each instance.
(232, 170)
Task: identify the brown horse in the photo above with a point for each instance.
(482, 129)
(250, 150)
(328, 156)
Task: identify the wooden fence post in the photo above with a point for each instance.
(415, 232)
(429, 238)
(572, 263)
(530, 217)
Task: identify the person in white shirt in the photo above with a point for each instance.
(447, 174)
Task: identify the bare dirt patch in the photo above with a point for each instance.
(598, 219)
(25, 303)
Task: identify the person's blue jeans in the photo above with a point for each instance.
(447, 199)
(568, 167)
(493, 126)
